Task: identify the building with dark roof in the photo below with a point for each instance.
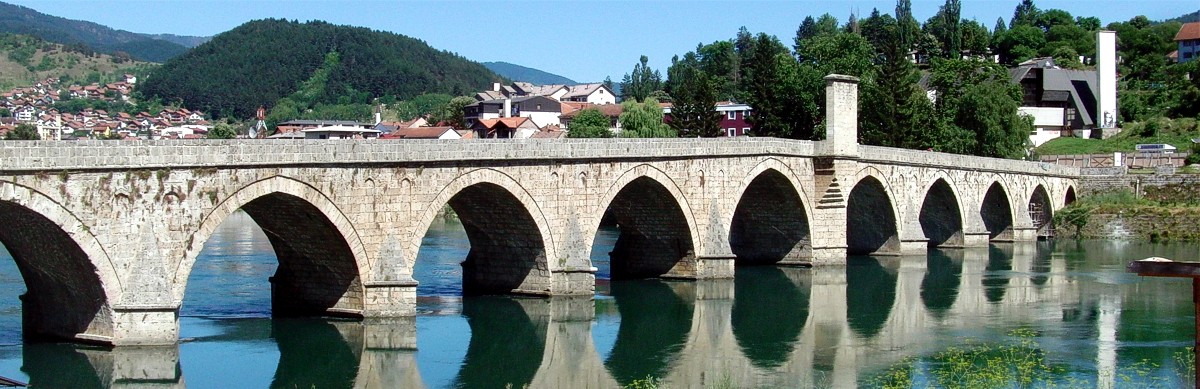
(1062, 102)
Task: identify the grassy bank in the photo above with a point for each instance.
(1169, 213)
(1176, 132)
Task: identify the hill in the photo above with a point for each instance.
(1186, 18)
(16, 19)
(183, 40)
(25, 60)
(261, 61)
(520, 73)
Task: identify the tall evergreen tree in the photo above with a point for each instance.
(951, 12)
(1026, 14)
(639, 84)
(695, 95)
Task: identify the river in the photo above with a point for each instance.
(1097, 325)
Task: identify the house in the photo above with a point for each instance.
(1188, 42)
(596, 93)
(510, 127)
(340, 132)
(1062, 102)
(423, 133)
(734, 117)
(542, 110)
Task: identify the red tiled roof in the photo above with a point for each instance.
(609, 110)
(1189, 31)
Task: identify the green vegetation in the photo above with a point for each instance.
(22, 132)
(25, 60)
(262, 61)
(85, 35)
(1176, 132)
(589, 123)
(223, 130)
(1019, 362)
(643, 120)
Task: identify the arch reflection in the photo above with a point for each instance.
(506, 343)
(870, 294)
(770, 307)
(996, 274)
(656, 317)
(939, 287)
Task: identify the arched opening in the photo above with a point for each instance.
(770, 306)
(654, 239)
(1069, 198)
(940, 219)
(997, 215)
(870, 220)
(939, 288)
(309, 265)
(1041, 212)
(506, 255)
(870, 294)
(63, 295)
(769, 225)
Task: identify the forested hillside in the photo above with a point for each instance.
(25, 60)
(262, 61)
(16, 19)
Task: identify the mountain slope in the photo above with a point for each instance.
(21, 20)
(261, 61)
(520, 73)
(25, 60)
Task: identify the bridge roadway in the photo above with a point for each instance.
(831, 340)
(106, 233)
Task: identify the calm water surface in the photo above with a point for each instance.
(768, 327)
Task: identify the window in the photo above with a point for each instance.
(732, 132)
(732, 115)
(745, 130)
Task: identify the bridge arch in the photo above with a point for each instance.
(771, 222)
(871, 220)
(941, 216)
(514, 262)
(1041, 210)
(322, 262)
(996, 211)
(70, 279)
(658, 234)
(1069, 196)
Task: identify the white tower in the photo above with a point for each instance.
(1106, 71)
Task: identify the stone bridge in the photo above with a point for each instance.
(106, 233)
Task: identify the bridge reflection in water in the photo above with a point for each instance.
(770, 326)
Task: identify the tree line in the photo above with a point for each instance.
(934, 85)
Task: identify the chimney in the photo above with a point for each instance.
(841, 116)
(495, 87)
(507, 110)
(1106, 72)
(378, 114)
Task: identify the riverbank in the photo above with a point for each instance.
(1139, 223)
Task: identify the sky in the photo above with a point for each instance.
(581, 40)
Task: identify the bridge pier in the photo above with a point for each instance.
(390, 298)
(142, 326)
